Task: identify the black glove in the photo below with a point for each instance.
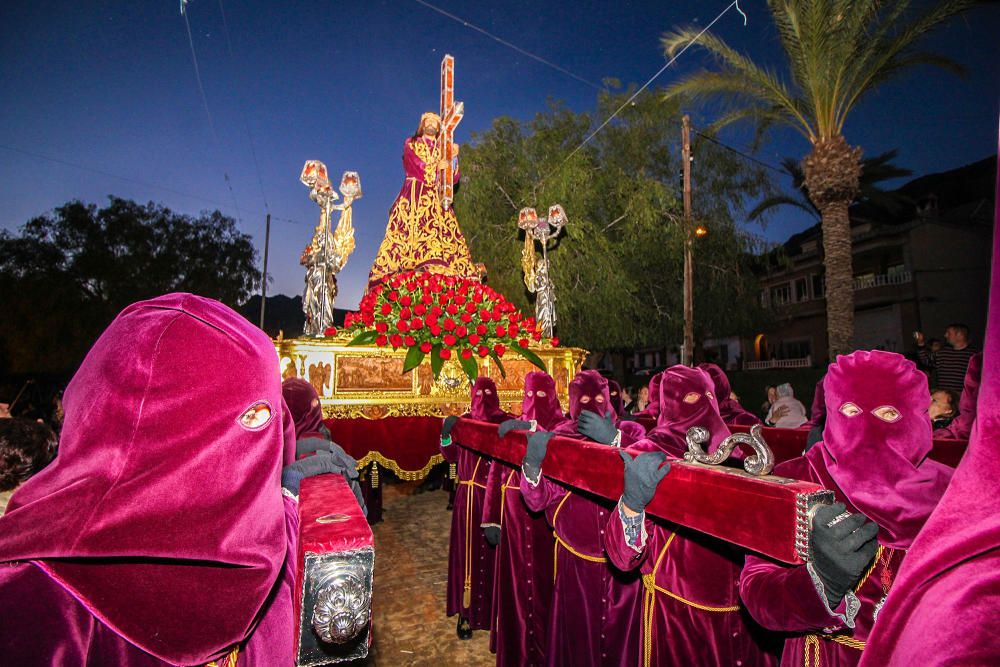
(511, 424)
(320, 463)
(841, 551)
(447, 425)
(597, 428)
(492, 535)
(642, 474)
(538, 445)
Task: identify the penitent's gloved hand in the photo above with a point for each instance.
(843, 546)
(446, 426)
(492, 535)
(318, 464)
(597, 428)
(538, 445)
(642, 475)
(512, 424)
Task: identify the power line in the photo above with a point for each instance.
(128, 179)
(509, 45)
(740, 153)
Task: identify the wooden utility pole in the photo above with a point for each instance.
(687, 353)
(263, 281)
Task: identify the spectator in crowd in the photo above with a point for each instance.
(948, 364)
(961, 427)
(943, 408)
(615, 391)
(161, 534)
(641, 401)
(26, 447)
(771, 395)
(787, 411)
(627, 397)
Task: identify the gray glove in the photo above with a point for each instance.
(642, 475)
(320, 463)
(492, 535)
(447, 425)
(511, 424)
(538, 445)
(597, 428)
(843, 548)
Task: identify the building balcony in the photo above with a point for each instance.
(803, 362)
(882, 279)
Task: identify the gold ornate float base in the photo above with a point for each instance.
(369, 381)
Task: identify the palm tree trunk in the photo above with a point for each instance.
(832, 171)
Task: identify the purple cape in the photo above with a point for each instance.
(303, 403)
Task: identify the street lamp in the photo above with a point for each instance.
(536, 272)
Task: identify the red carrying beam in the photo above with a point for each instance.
(763, 514)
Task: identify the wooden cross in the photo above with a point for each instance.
(451, 116)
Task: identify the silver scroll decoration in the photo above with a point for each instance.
(761, 462)
(335, 616)
(342, 607)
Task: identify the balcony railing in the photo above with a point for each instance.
(803, 362)
(882, 279)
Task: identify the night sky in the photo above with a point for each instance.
(101, 98)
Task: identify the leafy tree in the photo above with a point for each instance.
(617, 265)
(68, 274)
(837, 51)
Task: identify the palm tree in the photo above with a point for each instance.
(837, 51)
(874, 170)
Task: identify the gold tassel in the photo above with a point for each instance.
(467, 598)
(374, 475)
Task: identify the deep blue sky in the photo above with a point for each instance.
(110, 86)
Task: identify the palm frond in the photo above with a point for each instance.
(781, 200)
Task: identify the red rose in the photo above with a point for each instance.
(483, 351)
(419, 309)
(396, 282)
(405, 300)
(499, 349)
(484, 315)
(330, 331)
(466, 353)
(473, 339)
(459, 300)
(477, 296)
(466, 317)
(426, 299)
(470, 307)
(402, 326)
(431, 321)
(381, 340)
(512, 329)
(450, 340)
(405, 314)
(554, 341)
(411, 286)
(435, 330)
(386, 308)
(537, 335)
(393, 295)
(523, 342)
(410, 341)
(449, 280)
(514, 317)
(444, 353)
(381, 327)
(416, 323)
(452, 309)
(460, 331)
(482, 329)
(500, 331)
(396, 340)
(435, 288)
(449, 324)
(368, 320)
(436, 311)
(425, 347)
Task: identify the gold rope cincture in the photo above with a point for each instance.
(812, 641)
(228, 661)
(503, 494)
(467, 592)
(567, 547)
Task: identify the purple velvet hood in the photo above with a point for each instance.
(163, 511)
(587, 391)
(876, 441)
(303, 404)
(729, 408)
(544, 409)
(486, 402)
(615, 391)
(687, 399)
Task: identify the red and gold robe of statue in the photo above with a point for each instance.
(522, 591)
(421, 235)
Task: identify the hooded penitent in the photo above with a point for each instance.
(541, 402)
(486, 402)
(687, 399)
(730, 409)
(615, 391)
(303, 403)
(588, 391)
(163, 512)
(876, 441)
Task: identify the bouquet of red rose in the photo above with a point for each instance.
(442, 316)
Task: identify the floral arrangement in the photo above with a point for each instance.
(444, 317)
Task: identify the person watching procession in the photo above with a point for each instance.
(948, 364)
(960, 428)
(943, 408)
(26, 447)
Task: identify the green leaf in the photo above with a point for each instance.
(470, 367)
(436, 361)
(496, 358)
(364, 338)
(530, 356)
(413, 358)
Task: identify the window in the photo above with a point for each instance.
(781, 294)
(797, 349)
(801, 289)
(819, 285)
